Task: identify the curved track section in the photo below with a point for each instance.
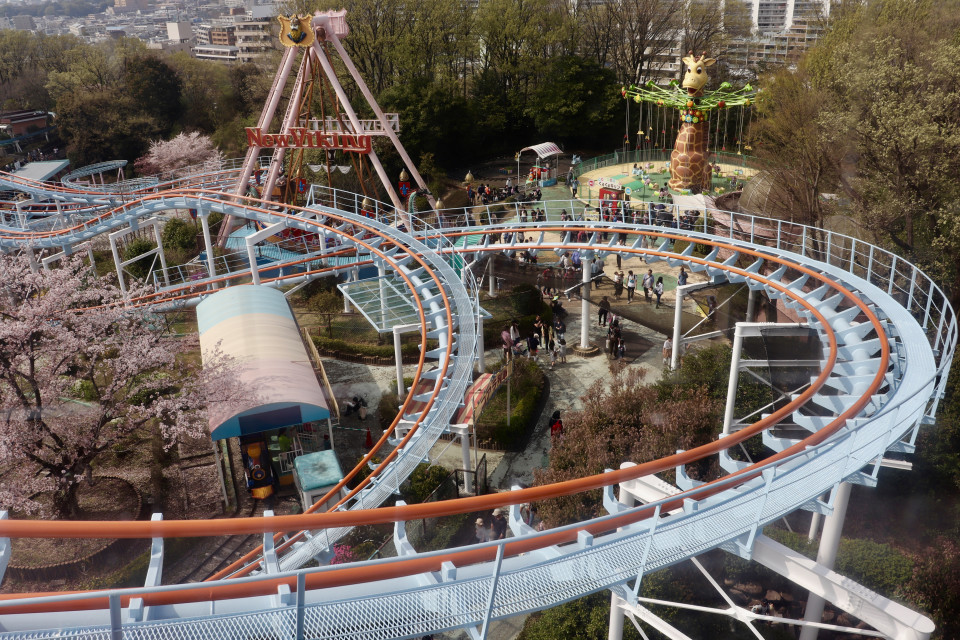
(888, 335)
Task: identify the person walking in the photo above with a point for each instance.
(681, 277)
(658, 290)
(480, 531)
(631, 285)
(499, 525)
(648, 284)
(533, 346)
(514, 333)
(613, 339)
(562, 346)
(603, 311)
(618, 285)
(556, 425)
(507, 342)
(597, 271)
(667, 352)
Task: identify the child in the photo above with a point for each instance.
(562, 346)
(533, 346)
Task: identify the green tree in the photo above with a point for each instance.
(435, 119)
(586, 618)
(207, 93)
(577, 101)
(142, 267)
(878, 96)
(155, 89)
(179, 235)
(326, 303)
(101, 125)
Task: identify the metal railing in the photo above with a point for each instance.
(923, 329)
(659, 158)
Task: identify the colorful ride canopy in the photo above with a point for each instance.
(255, 327)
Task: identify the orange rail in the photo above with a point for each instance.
(351, 575)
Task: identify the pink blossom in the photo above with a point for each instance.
(185, 150)
(80, 372)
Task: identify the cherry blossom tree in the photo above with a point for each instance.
(185, 150)
(80, 371)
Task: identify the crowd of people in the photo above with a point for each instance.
(487, 194)
(496, 529)
(551, 337)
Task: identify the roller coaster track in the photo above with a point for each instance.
(888, 336)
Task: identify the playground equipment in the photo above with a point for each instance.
(689, 166)
(877, 317)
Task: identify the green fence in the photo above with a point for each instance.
(652, 155)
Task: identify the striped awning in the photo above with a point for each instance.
(255, 326)
(544, 149)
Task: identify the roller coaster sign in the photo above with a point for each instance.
(303, 138)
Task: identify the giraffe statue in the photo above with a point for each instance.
(688, 162)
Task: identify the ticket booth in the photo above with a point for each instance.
(611, 195)
(314, 475)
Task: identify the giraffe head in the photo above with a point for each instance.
(696, 76)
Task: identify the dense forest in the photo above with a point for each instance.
(466, 82)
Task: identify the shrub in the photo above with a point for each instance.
(179, 235)
(877, 566)
(312, 288)
(935, 585)
(526, 386)
(358, 348)
(342, 554)
(527, 301)
(584, 619)
(423, 481)
(141, 268)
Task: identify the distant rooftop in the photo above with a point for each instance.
(41, 171)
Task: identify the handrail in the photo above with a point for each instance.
(878, 276)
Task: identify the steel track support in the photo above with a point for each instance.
(827, 555)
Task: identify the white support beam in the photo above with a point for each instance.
(137, 612)
(827, 555)
(114, 237)
(5, 548)
(734, 379)
(252, 241)
(890, 618)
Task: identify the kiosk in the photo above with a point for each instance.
(314, 475)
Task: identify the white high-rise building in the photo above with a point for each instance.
(777, 16)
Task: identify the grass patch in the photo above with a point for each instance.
(526, 387)
(364, 349)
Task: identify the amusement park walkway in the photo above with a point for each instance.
(569, 382)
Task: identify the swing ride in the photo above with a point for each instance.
(698, 119)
